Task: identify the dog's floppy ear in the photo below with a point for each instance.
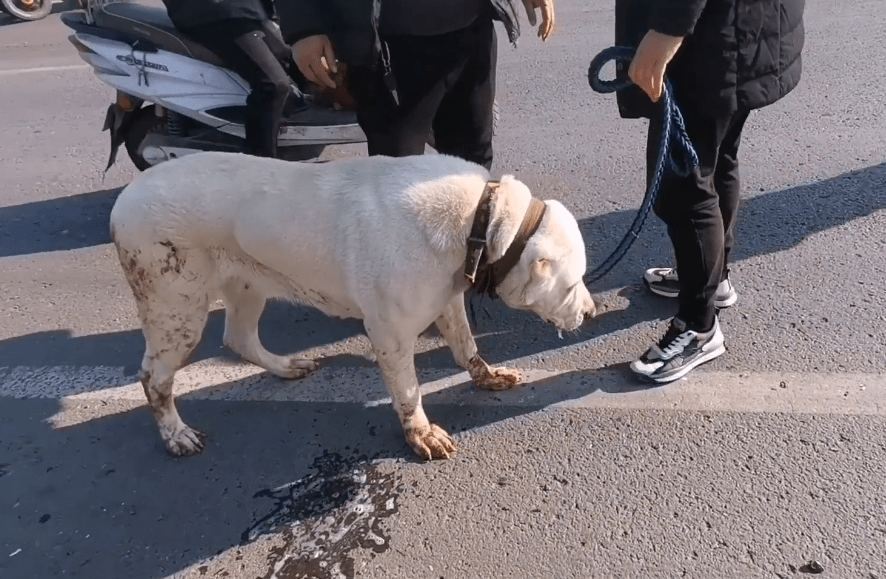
(540, 269)
(508, 203)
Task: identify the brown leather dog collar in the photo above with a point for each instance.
(482, 275)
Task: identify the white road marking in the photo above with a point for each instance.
(17, 71)
(702, 390)
(221, 379)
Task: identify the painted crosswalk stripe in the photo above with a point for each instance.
(223, 379)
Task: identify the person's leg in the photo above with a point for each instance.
(282, 51)
(464, 123)
(246, 48)
(664, 280)
(424, 67)
(398, 130)
(690, 207)
(728, 185)
(270, 89)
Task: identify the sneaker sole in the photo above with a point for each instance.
(660, 292)
(727, 301)
(721, 303)
(685, 369)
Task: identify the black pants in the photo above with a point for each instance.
(252, 50)
(700, 211)
(445, 83)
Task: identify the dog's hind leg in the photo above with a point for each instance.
(453, 326)
(244, 304)
(170, 289)
(396, 357)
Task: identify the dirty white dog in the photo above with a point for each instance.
(380, 239)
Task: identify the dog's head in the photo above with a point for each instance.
(547, 279)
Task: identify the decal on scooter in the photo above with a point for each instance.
(133, 61)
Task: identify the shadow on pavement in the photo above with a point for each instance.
(59, 224)
(767, 223)
(285, 328)
(97, 496)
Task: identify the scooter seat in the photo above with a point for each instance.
(152, 25)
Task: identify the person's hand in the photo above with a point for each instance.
(547, 16)
(648, 66)
(314, 57)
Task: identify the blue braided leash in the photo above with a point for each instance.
(675, 150)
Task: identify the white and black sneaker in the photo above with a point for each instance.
(679, 351)
(663, 281)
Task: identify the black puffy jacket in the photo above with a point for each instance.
(352, 25)
(737, 54)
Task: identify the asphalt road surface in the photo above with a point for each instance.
(755, 465)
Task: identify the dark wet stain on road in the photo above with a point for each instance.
(325, 516)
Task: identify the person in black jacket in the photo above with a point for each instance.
(242, 34)
(724, 58)
(413, 66)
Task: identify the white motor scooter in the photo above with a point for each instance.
(174, 97)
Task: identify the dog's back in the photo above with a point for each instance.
(221, 216)
(193, 201)
(197, 200)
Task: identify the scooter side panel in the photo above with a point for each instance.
(183, 84)
(191, 87)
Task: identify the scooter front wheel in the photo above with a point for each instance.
(27, 9)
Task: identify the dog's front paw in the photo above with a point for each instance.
(298, 368)
(184, 442)
(430, 442)
(489, 378)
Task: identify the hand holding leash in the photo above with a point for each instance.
(648, 66)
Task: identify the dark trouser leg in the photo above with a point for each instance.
(464, 122)
(254, 54)
(400, 130)
(691, 209)
(728, 185)
(431, 70)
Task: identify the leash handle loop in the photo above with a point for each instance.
(623, 56)
(675, 150)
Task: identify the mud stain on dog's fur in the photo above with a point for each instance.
(174, 262)
(325, 516)
(137, 276)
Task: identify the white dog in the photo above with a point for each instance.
(380, 239)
